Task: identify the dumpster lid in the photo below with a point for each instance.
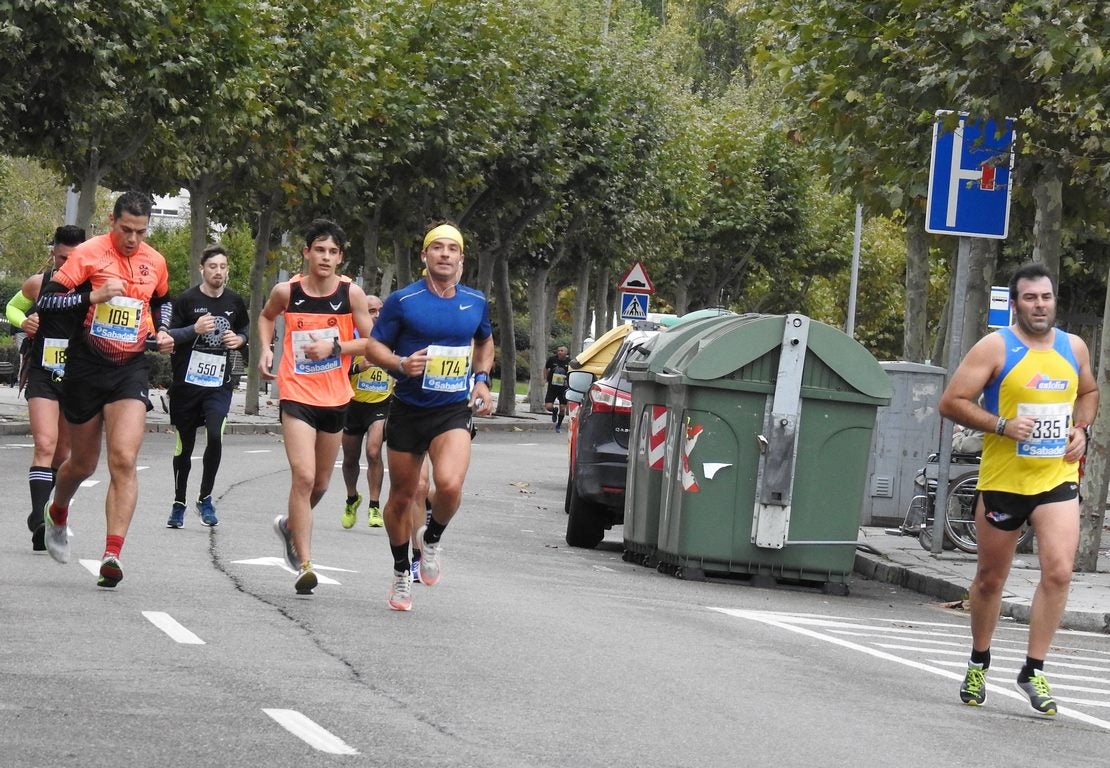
(754, 337)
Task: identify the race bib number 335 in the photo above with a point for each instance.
(1049, 438)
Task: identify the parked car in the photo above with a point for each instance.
(598, 432)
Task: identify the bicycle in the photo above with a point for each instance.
(959, 517)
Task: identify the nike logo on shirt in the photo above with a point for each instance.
(465, 306)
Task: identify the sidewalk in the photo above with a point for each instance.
(901, 560)
(13, 416)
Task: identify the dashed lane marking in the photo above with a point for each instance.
(171, 627)
(312, 734)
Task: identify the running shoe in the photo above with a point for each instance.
(374, 517)
(57, 539)
(306, 579)
(1039, 693)
(974, 690)
(430, 566)
(282, 531)
(177, 516)
(38, 539)
(207, 512)
(350, 512)
(554, 416)
(400, 593)
(416, 570)
(111, 573)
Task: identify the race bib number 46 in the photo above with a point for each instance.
(1050, 432)
(447, 369)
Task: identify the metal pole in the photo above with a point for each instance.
(850, 323)
(955, 348)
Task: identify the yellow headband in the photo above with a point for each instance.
(444, 232)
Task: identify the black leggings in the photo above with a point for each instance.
(183, 459)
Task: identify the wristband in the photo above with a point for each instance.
(1000, 427)
(481, 377)
(401, 367)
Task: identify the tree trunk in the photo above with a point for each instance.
(257, 300)
(579, 329)
(401, 261)
(1096, 475)
(506, 401)
(1048, 222)
(681, 298)
(198, 228)
(86, 200)
(601, 303)
(915, 338)
(539, 332)
(371, 236)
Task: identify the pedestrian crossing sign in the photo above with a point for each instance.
(634, 306)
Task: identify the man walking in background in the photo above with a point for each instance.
(208, 321)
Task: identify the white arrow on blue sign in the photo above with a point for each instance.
(969, 179)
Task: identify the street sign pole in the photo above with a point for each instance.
(955, 344)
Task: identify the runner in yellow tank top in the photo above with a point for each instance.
(1039, 397)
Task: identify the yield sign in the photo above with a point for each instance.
(636, 280)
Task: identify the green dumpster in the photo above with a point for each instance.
(649, 374)
(766, 456)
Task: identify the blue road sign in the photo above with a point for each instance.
(634, 306)
(998, 311)
(969, 179)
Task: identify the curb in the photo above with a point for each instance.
(950, 591)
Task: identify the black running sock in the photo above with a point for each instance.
(374, 503)
(1027, 670)
(41, 482)
(351, 499)
(433, 531)
(400, 557)
(981, 657)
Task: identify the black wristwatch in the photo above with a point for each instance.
(336, 349)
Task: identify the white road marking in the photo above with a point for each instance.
(309, 732)
(140, 469)
(171, 627)
(92, 566)
(89, 483)
(280, 563)
(801, 624)
(260, 450)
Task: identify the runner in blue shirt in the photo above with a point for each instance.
(435, 337)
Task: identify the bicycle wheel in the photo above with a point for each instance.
(959, 517)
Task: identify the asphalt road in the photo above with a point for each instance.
(528, 653)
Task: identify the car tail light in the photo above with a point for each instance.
(608, 399)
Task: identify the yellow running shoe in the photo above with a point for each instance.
(350, 512)
(374, 518)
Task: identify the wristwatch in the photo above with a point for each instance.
(336, 349)
(481, 377)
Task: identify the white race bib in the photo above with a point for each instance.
(301, 339)
(447, 369)
(205, 370)
(1049, 438)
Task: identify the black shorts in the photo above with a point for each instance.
(555, 393)
(411, 430)
(319, 417)
(89, 385)
(361, 415)
(191, 406)
(43, 383)
(1010, 511)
